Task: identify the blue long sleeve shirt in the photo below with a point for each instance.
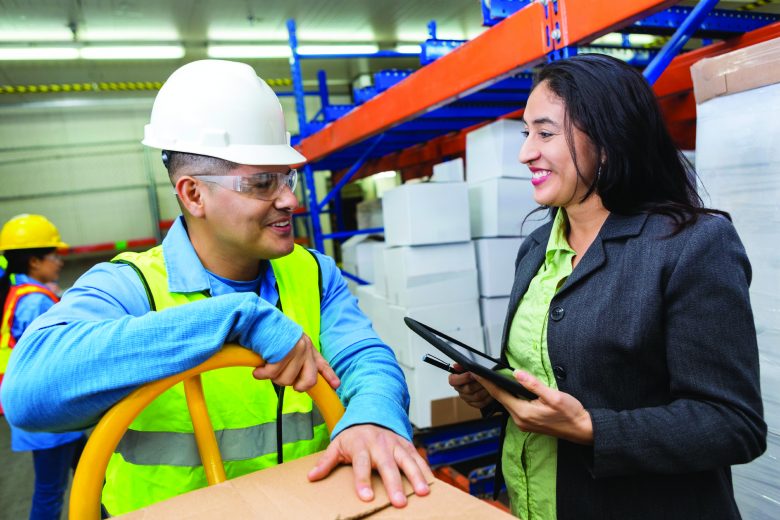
(101, 342)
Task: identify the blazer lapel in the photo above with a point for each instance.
(615, 227)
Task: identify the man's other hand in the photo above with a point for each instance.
(299, 368)
(368, 447)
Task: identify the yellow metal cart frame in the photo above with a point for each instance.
(88, 481)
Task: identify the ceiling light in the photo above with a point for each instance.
(365, 48)
(136, 52)
(384, 175)
(39, 53)
(248, 51)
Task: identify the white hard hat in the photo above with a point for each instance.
(221, 109)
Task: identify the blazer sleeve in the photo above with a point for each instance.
(715, 416)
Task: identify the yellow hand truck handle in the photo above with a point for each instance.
(88, 480)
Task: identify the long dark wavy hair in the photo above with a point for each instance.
(642, 171)
(19, 263)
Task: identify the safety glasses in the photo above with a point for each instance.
(263, 185)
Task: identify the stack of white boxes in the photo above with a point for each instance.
(500, 197)
(428, 272)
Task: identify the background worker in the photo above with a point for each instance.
(629, 317)
(30, 243)
(228, 271)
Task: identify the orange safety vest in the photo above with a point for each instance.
(16, 293)
(7, 341)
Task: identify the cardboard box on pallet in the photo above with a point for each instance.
(284, 493)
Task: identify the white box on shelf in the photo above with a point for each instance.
(496, 265)
(493, 310)
(499, 206)
(369, 214)
(493, 150)
(427, 383)
(454, 319)
(426, 213)
(493, 334)
(448, 171)
(429, 275)
(380, 274)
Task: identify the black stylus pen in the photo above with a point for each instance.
(438, 363)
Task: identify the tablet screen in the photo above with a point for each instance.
(481, 360)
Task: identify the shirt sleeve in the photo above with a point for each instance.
(373, 388)
(101, 342)
(715, 416)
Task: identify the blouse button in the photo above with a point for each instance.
(557, 314)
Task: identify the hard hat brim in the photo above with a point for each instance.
(265, 155)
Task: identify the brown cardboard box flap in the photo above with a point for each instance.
(737, 71)
(284, 492)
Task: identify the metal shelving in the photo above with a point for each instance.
(417, 119)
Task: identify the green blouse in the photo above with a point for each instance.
(529, 460)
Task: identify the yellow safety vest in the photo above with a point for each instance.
(158, 457)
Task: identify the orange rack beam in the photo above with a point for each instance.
(512, 45)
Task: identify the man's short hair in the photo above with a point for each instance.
(182, 163)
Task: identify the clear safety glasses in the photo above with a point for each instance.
(263, 185)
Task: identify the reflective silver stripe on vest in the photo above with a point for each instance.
(180, 449)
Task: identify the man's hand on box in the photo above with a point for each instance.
(368, 447)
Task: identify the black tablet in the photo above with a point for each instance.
(471, 359)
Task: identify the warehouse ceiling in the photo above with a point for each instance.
(195, 24)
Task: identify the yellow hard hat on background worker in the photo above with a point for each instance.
(30, 232)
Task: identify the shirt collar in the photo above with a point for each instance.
(557, 241)
(185, 272)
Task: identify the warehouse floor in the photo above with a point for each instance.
(16, 479)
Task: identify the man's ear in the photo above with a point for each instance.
(190, 195)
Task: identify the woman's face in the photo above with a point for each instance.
(547, 154)
(46, 269)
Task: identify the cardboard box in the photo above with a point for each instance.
(451, 410)
(429, 275)
(498, 207)
(450, 318)
(426, 213)
(284, 493)
(493, 151)
(737, 71)
(448, 171)
(496, 265)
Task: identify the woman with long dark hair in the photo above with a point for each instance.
(30, 243)
(629, 317)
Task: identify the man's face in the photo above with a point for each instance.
(246, 226)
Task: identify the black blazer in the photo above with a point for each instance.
(654, 334)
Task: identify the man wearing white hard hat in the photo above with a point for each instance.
(228, 271)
